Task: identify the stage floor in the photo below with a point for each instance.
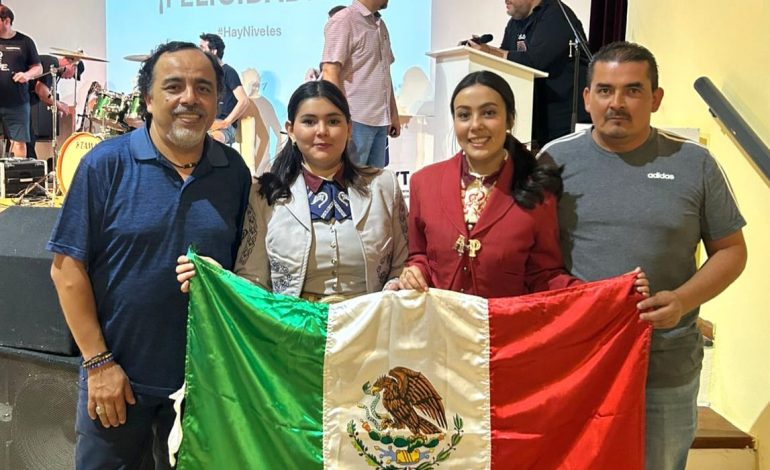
(7, 202)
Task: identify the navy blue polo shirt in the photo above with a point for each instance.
(127, 216)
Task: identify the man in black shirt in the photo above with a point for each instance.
(538, 36)
(19, 63)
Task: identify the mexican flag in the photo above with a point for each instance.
(408, 380)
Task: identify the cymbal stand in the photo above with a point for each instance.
(50, 195)
(75, 95)
(55, 131)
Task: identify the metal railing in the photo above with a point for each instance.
(734, 124)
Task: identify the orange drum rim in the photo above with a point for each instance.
(62, 152)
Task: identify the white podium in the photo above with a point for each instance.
(455, 63)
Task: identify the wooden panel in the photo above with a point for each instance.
(722, 459)
(715, 432)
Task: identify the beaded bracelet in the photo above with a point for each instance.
(96, 365)
(96, 357)
(102, 357)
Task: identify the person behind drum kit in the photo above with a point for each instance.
(137, 201)
(40, 91)
(234, 102)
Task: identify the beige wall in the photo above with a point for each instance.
(727, 43)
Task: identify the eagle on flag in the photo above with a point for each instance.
(404, 392)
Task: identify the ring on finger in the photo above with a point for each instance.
(99, 410)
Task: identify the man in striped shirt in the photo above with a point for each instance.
(357, 58)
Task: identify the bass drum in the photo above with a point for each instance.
(74, 149)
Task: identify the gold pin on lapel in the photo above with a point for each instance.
(460, 245)
(473, 246)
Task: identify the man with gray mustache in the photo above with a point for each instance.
(136, 203)
(635, 195)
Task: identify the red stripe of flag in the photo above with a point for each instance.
(567, 376)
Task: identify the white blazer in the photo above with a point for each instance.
(276, 240)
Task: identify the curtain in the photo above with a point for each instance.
(608, 22)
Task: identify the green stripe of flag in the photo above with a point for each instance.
(282, 335)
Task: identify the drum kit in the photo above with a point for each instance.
(108, 113)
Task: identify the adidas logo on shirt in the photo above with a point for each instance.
(660, 176)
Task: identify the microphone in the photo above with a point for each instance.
(483, 39)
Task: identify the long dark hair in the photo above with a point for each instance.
(530, 180)
(288, 163)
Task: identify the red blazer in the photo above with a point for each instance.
(519, 251)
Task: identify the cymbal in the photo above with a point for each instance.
(70, 51)
(78, 56)
(137, 57)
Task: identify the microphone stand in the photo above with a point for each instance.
(75, 95)
(574, 53)
(54, 133)
(83, 115)
(50, 195)
(576, 45)
(94, 88)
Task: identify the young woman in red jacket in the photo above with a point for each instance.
(484, 222)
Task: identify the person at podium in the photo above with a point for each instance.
(539, 36)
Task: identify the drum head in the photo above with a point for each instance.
(74, 149)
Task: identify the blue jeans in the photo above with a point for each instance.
(228, 134)
(130, 446)
(369, 144)
(671, 419)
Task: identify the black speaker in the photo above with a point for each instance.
(18, 175)
(29, 307)
(38, 397)
(42, 121)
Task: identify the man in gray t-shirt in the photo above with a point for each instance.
(638, 196)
